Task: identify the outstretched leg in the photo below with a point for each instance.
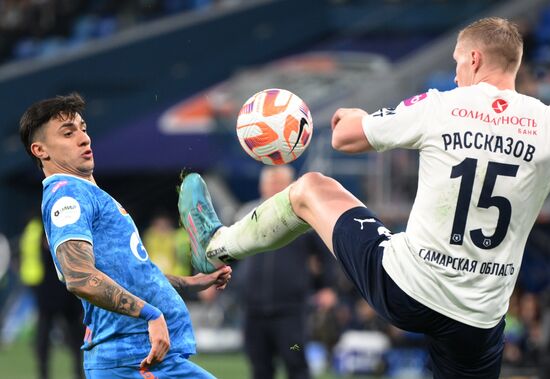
(320, 201)
(313, 199)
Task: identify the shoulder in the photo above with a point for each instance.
(532, 102)
(57, 186)
(459, 91)
(422, 100)
(62, 193)
(468, 96)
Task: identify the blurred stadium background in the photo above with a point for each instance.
(164, 80)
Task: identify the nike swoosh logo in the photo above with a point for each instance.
(303, 122)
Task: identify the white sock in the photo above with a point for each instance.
(269, 226)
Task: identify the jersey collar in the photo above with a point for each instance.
(55, 177)
(493, 88)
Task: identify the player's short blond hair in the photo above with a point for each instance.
(498, 38)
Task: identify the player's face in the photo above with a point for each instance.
(65, 147)
(464, 70)
(274, 181)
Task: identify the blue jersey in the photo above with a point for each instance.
(77, 209)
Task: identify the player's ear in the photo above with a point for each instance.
(39, 150)
(475, 59)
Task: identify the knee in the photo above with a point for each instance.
(311, 180)
(307, 186)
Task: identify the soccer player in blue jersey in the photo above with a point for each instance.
(137, 325)
(483, 177)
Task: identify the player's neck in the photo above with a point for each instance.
(48, 172)
(502, 85)
(498, 80)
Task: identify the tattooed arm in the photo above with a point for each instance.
(200, 282)
(85, 281)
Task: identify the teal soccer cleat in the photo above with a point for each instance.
(200, 220)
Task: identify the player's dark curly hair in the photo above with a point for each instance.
(38, 114)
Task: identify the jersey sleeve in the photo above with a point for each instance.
(401, 127)
(68, 214)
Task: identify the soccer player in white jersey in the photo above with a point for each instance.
(483, 176)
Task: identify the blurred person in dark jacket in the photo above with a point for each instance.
(544, 368)
(276, 292)
(54, 303)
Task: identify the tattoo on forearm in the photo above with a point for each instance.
(78, 265)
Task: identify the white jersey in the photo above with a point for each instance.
(483, 177)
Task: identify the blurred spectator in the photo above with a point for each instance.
(367, 318)
(183, 253)
(514, 333)
(533, 78)
(530, 317)
(534, 81)
(167, 247)
(53, 301)
(276, 287)
(526, 332)
(526, 82)
(328, 320)
(544, 353)
(5, 256)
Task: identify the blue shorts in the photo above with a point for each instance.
(173, 366)
(456, 350)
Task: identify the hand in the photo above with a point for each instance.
(341, 113)
(160, 342)
(348, 135)
(218, 278)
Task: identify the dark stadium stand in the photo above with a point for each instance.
(40, 29)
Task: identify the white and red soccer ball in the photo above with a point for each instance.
(274, 126)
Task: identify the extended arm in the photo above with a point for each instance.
(200, 282)
(85, 281)
(347, 131)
